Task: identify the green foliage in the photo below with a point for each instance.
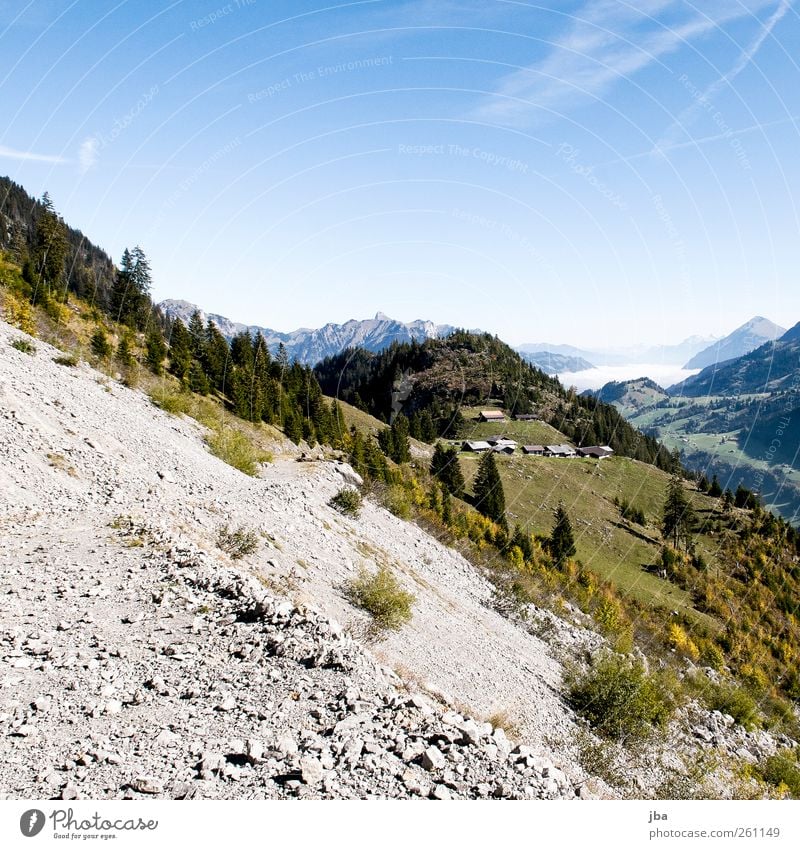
(101, 347)
(235, 449)
(382, 596)
(347, 501)
(735, 701)
(155, 351)
(69, 360)
(620, 699)
(629, 512)
(678, 517)
(446, 467)
(488, 495)
(561, 544)
(394, 440)
(24, 346)
(782, 771)
(237, 543)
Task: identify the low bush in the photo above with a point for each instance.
(735, 701)
(620, 699)
(237, 543)
(382, 596)
(347, 501)
(235, 449)
(24, 345)
(782, 771)
(69, 360)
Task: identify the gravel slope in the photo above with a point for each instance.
(135, 657)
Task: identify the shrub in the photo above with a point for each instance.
(396, 501)
(24, 345)
(237, 543)
(620, 699)
(347, 501)
(382, 596)
(234, 448)
(733, 700)
(19, 313)
(782, 771)
(101, 347)
(69, 360)
(171, 401)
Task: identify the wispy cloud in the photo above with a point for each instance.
(87, 153)
(28, 156)
(677, 130)
(605, 42)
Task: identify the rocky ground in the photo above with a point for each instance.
(137, 658)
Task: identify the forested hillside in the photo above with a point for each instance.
(435, 379)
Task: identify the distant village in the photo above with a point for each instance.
(504, 445)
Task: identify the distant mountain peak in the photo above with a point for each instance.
(749, 336)
(310, 345)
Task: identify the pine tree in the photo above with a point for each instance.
(198, 382)
(678, 518)
(715, 489)
(446, 467)
(490, 500)
(180, 350)
(401, 452)
(561, 543)
(101, 347)
(50, 249)
(124, 354)
(156, 351)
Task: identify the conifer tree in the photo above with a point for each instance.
(180, 350)
(124, 354)
(561, 543)
(490, 500)
(678, 518)
(446, 467)
(156, 350)
(101, 347)
(49, 249)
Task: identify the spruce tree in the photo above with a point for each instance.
(156, 350)
(180, 350)
(446, 467)
(678, 518)
(49, 249)
(490, 500)
(561, 543)
(101, 347)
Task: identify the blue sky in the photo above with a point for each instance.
(593, 172)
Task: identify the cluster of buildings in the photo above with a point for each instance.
(505, 445)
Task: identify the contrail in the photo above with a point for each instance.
(674, 131)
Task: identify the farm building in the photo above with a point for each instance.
(598, 452)
(491, 416)
(498, 441)
(559, 451)
(475, 445)
(504, 448)
(537, 450)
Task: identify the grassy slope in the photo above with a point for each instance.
(613, 548)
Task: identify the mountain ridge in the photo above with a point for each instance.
(311, 345)
(747, 337)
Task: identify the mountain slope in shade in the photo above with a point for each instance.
(772, 367)
(631, 396)
(744, 339)
(309, 345)
(552, 363)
